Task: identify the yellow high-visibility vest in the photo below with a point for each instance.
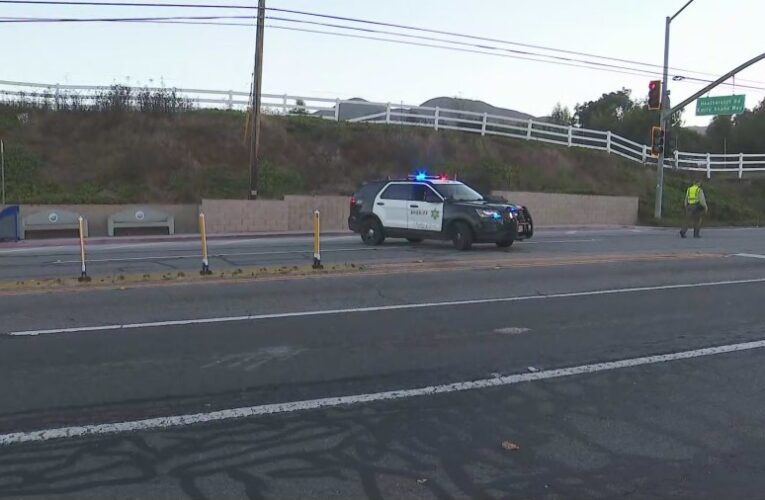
(693, 194)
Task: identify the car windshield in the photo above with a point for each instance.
(458, 192)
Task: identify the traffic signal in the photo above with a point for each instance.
(654, 94)
(657, 141)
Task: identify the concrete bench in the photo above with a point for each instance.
(139, 218)
(52, 223)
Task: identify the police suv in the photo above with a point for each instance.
(424, 207)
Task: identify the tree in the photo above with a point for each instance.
(720, 134)
(299, 108)
(605, 113)
(618, 113)
(561, 115)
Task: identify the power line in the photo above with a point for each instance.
(462, 46)
(357, 20)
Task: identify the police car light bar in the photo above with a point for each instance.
(422, 176)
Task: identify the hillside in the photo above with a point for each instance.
(357, 107)
(92, 157)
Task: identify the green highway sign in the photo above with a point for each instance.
(722, 105)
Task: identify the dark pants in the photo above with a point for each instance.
(693, 216)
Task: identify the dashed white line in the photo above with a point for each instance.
(313, 404)
(395, 307)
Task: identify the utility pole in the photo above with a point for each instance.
(666, 115)
(257, 79)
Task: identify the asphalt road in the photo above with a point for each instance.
(529, 382)
(145, 257)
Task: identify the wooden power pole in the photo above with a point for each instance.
(257, 79)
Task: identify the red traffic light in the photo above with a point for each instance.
(654, 94)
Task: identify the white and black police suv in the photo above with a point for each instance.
(424, 207)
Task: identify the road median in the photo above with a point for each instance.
(254, 274)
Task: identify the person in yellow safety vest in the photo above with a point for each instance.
(695, 208)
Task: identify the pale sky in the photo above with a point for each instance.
(710, 36)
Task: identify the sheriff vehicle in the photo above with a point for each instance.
(434, 207)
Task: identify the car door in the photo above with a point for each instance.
(426, 209)
(392, 205)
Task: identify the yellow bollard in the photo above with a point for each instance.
(83, 270)
(203, 235)
(317, 240)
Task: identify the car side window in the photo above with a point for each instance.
(431, 196)
(421, 192)
(397, 192)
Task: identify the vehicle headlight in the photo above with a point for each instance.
(488, 214)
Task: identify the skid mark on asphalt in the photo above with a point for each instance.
(313, 404)
(512, 330)
(249, 361)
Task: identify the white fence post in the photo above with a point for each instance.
(570, 136)
(337, 110)
(387, 113)
(709, 165)
(608, 141)
(483, 124)
(436, 116)
(528, 129)
(740, 165)
(230, 104)
(645, 153)
(677, 159)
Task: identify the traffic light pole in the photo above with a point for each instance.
(665, 114)
(663, 122)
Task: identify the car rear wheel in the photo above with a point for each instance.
(462, 236)
(372, 232)
(414, 240)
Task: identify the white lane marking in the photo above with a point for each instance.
(542, 242)
(235, 254)
(395, 307)
(275, 252)
(749, 255)
(312, 404)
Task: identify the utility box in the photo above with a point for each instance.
(10, 224)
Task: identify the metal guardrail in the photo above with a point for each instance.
(437, 118)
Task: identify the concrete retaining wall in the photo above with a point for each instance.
(550, 209)
(294, 213)
(186, 216)
(245, 216)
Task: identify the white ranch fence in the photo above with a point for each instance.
(357, 111)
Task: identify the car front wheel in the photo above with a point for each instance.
(462, 236)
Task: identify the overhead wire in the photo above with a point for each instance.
(356, 20)
(460, 46)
